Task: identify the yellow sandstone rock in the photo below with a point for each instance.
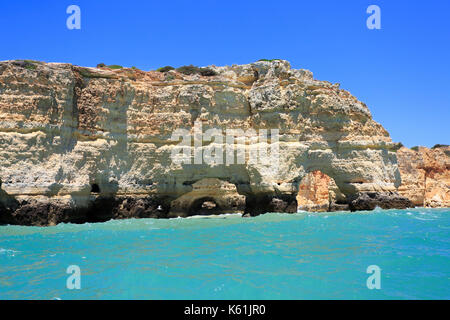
(425, 175)
(317, 192)
(91, 144)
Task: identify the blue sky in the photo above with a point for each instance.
(402, 72)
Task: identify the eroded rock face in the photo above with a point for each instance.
(383, 200)
(425, 175)
(319, 192)
(64, 129)
(43, 211)
(209, 196)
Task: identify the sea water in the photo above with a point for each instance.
(272, 256)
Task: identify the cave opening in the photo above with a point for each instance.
(204, 206)
(101, 209)
(95, 188)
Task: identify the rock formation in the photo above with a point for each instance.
(209, 196)
(425, 176)
(319, 192)
(90, 144)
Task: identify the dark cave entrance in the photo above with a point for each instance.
(95, 188)
(204, 206)
(101, 209)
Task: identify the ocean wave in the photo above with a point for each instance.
(8, 252)
(216, 216)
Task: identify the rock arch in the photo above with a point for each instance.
(209, 196)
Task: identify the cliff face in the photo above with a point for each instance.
(87, 144)
(425, 176)
(319, 192)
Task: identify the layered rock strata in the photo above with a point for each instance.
(318, 192)
(90, 144)
(425, 176)
(209, 196)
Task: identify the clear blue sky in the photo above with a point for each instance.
(402, 72)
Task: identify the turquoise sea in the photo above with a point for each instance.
(272, 256)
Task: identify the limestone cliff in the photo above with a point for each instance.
(319, 192)
(425, 176)
(89, 144)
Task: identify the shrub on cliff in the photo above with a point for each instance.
(268, 60)
(207, 72)
(169, 77)
(101, 65)
(188, 70)
(398, 145)
(27, 64)
(439, 146)
(165, 69)
(416, 148)
(115, 66)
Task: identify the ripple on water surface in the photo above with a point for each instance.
(272, 256)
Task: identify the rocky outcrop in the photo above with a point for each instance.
(88, 144)
(318, 192)
(425, 175)
(209, 196)
(383, 200)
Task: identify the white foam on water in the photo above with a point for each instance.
(417, 218)
(213, 216)
(8, 252)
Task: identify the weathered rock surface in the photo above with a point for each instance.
(425, 176)
(319, 192)
(88, 144)
(383, 200)
(209, 196)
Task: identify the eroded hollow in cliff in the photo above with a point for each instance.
(209, 196)
(204, 206)
(95, 188)
(100, 210)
